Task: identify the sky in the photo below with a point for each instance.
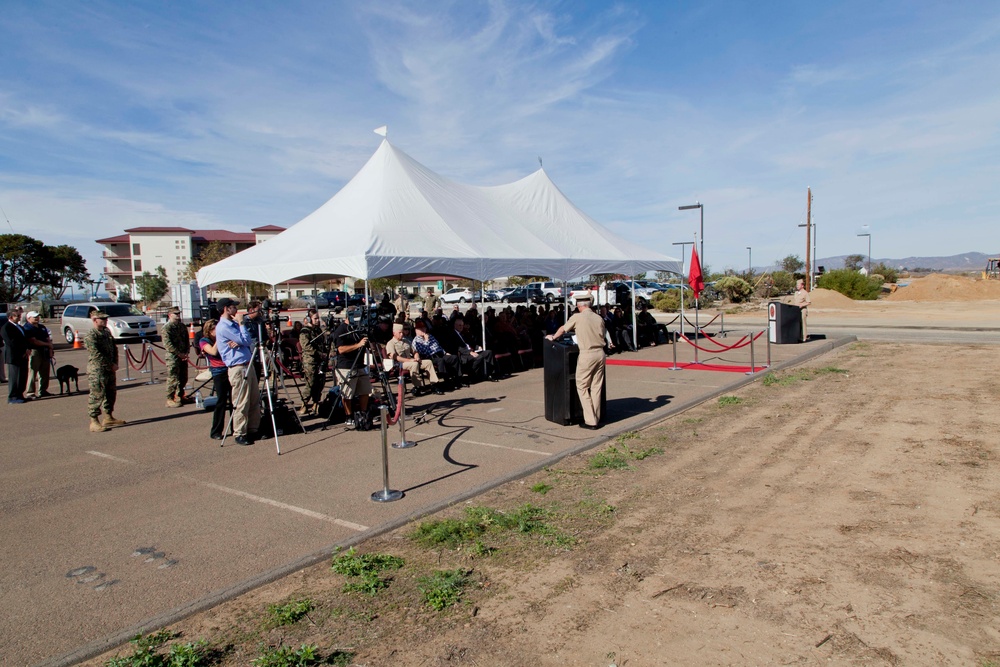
(233, 115)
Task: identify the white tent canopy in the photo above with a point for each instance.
(397, 217)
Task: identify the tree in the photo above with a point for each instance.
(70, 266)
(733, 288)
(854, 262)
(791, 263)
(666, 277)
(214, 251)
(28, 267)
(151, 287)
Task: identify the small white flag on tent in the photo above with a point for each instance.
(382, 131)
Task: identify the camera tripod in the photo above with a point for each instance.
(366, 357)
(267, 362)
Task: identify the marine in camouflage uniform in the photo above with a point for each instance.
(315, 351)
(178, 346)
(102, 364)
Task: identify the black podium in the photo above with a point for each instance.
(562, 403)
(784, 323)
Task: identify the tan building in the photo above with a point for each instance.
(145, 248)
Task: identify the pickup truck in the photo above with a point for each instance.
(550, 291)
(615, 293)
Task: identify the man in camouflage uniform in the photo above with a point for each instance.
(178, 346)
(102, 364)
(315, 351)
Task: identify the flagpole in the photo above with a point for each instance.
(697, 294)
(682, 244)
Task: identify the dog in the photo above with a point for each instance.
(66, 373)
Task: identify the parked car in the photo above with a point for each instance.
(524, 295)
(356, 300)
(335, 299)
(314, 301)
(457, 295)
(484, 297)
(125, 322)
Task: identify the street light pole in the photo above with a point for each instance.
(869, 235)
(749, 261)
(701, 233)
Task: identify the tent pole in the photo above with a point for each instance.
(635, 304)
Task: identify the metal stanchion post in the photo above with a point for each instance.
(402, 444)
(722, 325)
(697, 331)
(676, 340)
(753, 366)
(152, 374)
(386, 495)
(768, 351)
(128, 373)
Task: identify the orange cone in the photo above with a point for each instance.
(191, 331)
(77, 343)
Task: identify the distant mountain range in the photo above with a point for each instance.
(967, 261)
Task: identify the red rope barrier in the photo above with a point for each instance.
(735, 346)
(722, 349)
(131, 358)
(392, 421)
(699, 326)
(156, 357)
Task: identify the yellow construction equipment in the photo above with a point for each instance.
(992, 271)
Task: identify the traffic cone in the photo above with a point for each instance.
(77, 343)
(191, 331)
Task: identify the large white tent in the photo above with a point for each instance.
(397, 217)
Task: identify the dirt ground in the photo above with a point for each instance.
(843, 512)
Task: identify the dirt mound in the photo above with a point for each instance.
(828, 298)
(942, 287)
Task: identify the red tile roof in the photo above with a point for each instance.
(223, 235)
(268, 228)
(114, 239)
(148, 230)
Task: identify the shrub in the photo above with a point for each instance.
(889, 274)
(851, 284)
(733, 288)
(670, 301)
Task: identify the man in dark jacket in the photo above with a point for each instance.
(15, 355)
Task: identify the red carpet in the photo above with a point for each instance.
(686, 366)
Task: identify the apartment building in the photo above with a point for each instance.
(141, 249)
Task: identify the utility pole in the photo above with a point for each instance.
(809, 201)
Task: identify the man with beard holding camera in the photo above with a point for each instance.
(352, 374)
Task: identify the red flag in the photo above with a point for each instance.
(695, 279)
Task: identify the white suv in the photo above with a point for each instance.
(457, 295)
(125, 322)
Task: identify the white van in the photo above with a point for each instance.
(125, 322)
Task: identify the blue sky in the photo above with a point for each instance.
(236, 115)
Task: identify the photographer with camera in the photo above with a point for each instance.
(315, 351)
(352, 374)
(237, 351)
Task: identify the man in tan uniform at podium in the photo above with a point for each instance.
(801, 299)
(590, 337)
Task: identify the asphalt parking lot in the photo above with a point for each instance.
(108, 533)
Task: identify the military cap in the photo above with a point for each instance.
(98, 315)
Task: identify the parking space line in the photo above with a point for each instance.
(249, 496)
(109, 456)
(484, 444)
(280, 505)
